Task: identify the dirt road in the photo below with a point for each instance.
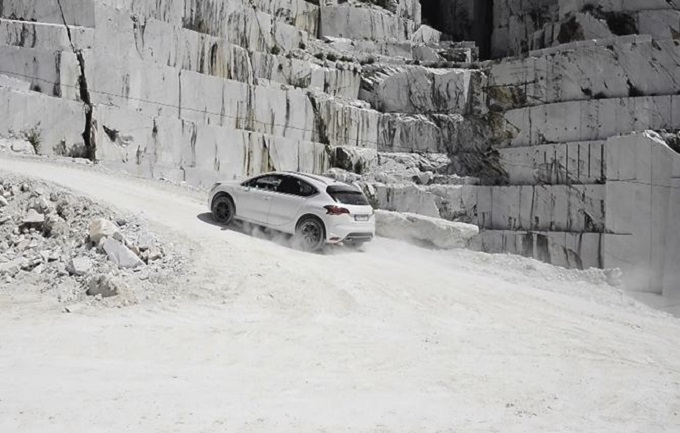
(393, 339)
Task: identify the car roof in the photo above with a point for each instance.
(314, 178)
(317, 180)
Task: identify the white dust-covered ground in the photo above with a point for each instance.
(397, 338)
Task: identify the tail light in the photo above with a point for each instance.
(336, 210)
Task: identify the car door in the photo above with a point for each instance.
(291, 195)
(256, 197)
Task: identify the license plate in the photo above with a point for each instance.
(361, 217)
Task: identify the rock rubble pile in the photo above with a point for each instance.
(55, 241)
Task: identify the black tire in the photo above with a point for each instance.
(223, 209)
(310, 234)
(354, 244)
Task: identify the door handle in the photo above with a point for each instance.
(267, 198)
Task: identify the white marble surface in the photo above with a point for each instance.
(422, 229)
(582, 71)
(640, 205)
(590, 120)
(562, 163)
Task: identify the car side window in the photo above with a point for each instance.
(266, 183)
(306, 189)
(294, 186)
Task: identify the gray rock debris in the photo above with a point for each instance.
(44, 243)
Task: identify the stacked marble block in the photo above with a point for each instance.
(524, 25)
(189, 90)
(588, 186)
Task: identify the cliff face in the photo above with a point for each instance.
(547, 151)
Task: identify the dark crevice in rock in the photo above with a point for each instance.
(461, 20)
(111, 133)
(88, 133)
(619, 23)
(90, 151)
(570, 31)
(633, 91)
(319, 123)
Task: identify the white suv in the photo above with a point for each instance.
(317, 209)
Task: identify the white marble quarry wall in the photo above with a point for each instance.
(426, 35)
(641, 200)
(391, 52)
(43, 36)
(555, 164)
(54, 73)
(75, 12)
(121, 34)
(339, 124)
(406, 198)
(156, 90)
(630, 222)
(522, 25)
(417, 89)
(567, 7)
(582, 26)
(179, 149)
(410, 133)
(432, 133)
(299, 13)
(671, 275)
(569, 208)
(208, 14)
(247, 27)
(569, 250)
(272, 110)
(343, 80)
(515, 20)
(59, 123)
(374, 24)
(450, 202)
(407, 9)
(595, 119)
(612, 68)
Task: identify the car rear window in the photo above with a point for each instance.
(347, 195)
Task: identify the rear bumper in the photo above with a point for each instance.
(364, 231)
(359, 236)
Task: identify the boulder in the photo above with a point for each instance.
(32, 217)
(120, 254)
(421, 229)
(42, 205)
(105, 285)
(79, 266)
(102, 228)
(3, 201)
(145, 240)
(354, 159)
(17, 145)
(154, 254)
(56, 226)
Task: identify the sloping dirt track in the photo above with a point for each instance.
(396, 338)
